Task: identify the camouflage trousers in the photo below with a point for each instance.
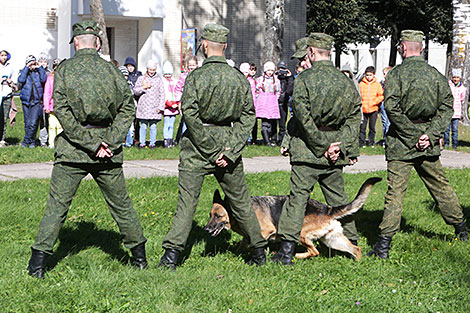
(233, 183)
(65, 179)
(302, 180)
(432, 174)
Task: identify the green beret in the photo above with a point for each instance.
(80, 28)
(215, 32)
(412, 35)
(301, 46)
(321, 41)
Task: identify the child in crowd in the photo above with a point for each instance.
(372, 96)
(32, 77)
(171, 105)
(268, 89)
(249, 70)
(43, 61)
(151, 92)
(383, 114)
(459, 92)
(54, 126)
(130, 133)
(7, 87)
(190, 64)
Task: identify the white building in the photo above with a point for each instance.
(146, 29)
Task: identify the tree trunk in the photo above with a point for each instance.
(274, 30)
(393, 46)
(97, 14)
(461, 48)
(337, 55)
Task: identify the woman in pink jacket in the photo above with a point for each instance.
(459, 92)
(54, 126)
(171, 105)
(151, 103)
(268, 89)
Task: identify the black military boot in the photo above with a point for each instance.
(258, 257)
(381, 247)
(285, 254)
(37, 263)
(169, 259)
(139, 259)
(461, 231)
(266, 140)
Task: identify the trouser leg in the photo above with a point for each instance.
(254, 132)
(189, 188)
(332, 186)
(447, 135)
(43, 125)
(455, 132)
(431, 172)
(143, 132)
(372, 122)
(398, 176)
(111, 181)
(4, 114)
(302, 180)
(362, 129)
(233, 184)
(282, 122)
(153, 132)
(64, 183)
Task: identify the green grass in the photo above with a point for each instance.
(424, 273)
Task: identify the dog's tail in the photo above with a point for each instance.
(354, 206)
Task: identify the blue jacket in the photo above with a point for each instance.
(29, 94)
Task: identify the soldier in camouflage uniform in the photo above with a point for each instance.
(219, 113)
(323, 139)
(95, 107)
(418, 102)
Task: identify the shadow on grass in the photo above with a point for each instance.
(74, 240)
(213, 245)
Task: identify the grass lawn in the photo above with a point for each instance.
(426, 272)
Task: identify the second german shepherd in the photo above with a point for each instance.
(320, 222)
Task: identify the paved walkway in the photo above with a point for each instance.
(149, 168)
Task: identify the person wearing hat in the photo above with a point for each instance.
(418, 102)
(268, 90)
(322, 140)
(218, 109)
(171, 105)
(32, 77)
(459, 92)
(95, 115)
(54, 127)
(249, 70)
(286, 81)
(150, 90)
(301, 49)
(7, 87)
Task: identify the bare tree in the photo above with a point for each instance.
(274, 30)
(461, 47)
(97, 14)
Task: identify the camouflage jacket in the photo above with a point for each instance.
(218, 109)
(418, 101)
(327, 109)
(94, 104)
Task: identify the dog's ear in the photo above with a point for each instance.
(217, 198)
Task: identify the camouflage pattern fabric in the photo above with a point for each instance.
(65, 180)
(431, 172)
(327, 109)
(303, 179)
(93, 103)
(324, 97)
(218, 109)
(418, 101)
(91, 92)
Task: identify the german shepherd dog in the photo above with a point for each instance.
(320, 222)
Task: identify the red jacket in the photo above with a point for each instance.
(372, 95)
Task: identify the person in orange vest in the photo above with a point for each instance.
(372, 95)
